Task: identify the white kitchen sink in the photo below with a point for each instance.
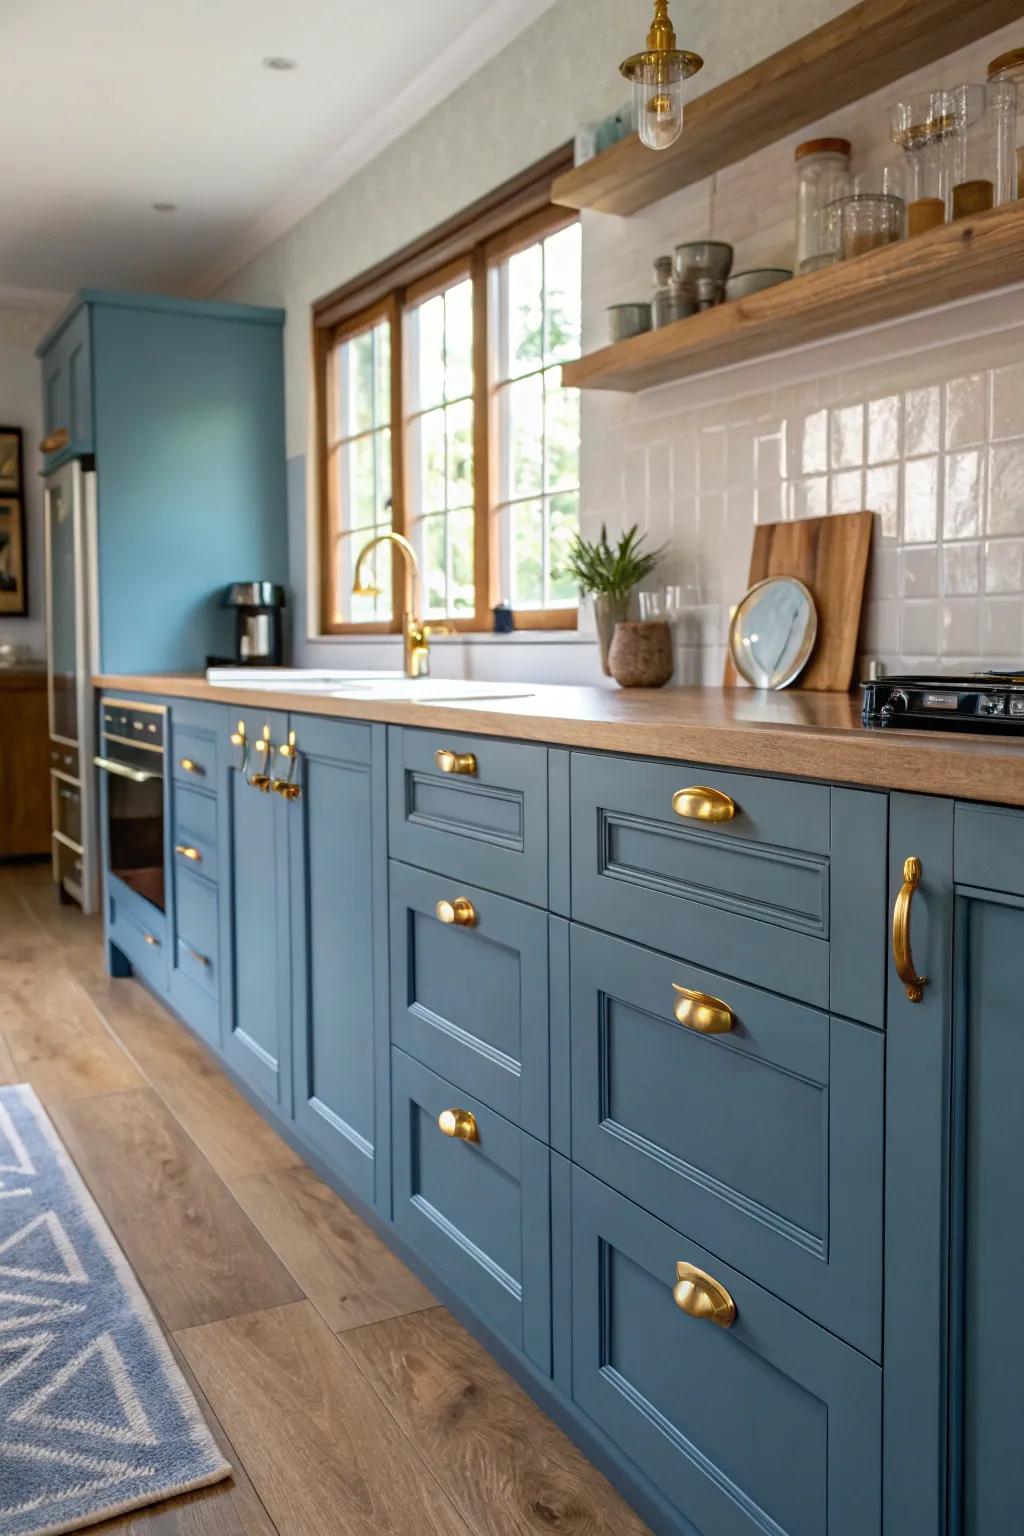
(340, 684)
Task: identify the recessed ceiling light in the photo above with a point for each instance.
(278, 62)
(165, 207)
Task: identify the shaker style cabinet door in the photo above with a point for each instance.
(254, 915)
(336, 827)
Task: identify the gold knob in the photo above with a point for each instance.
(702, 804)
(459, 1123)
(189, 853)
(698, 1010)
(260, 781)
(151, 940)
(699, 1295)
(191, 767)
(455, 762)
(901, 950)
(56, 440)
(238, 737)
(461, 912)
(286, 789)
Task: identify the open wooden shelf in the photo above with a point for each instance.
(955, 262)
(860, 51)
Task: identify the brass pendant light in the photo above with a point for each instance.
(659, 77)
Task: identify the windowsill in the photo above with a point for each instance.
(470, 637)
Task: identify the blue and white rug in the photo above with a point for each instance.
(95, 1417)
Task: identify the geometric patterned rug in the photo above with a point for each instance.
(95, 1416)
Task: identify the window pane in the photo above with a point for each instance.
(431, 485)
(563, 524)
(460, 543)
(525, 311)
(382, 369)
(563, 274)
(358, 493)
(526, 436)
(562, 435)
(376, 572)
(458, 333)
(527, 554)
(382, 441)
(434, 566)
(460, 454)
(357, 390)
(429, 382)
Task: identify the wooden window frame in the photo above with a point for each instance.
(512, 218)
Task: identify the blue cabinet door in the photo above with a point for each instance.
(254, 911)
(475, 1205)
(338, 875)
(470, 998)
(67, 390)
(767, 1425)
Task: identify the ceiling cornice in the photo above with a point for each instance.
(493, 30)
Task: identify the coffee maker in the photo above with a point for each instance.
(258, 607)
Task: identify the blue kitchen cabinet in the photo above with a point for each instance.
(179, 407)
(337, 826)
(198, 734)
(67, 392)
(254, 922)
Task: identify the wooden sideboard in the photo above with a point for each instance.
(24, 765)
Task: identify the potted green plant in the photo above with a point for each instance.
(608, 573)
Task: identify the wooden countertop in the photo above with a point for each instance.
(806, 735)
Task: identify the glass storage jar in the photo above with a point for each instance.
(822, 176)
(924, 126)
(867, 221)
(983, 146)
(1009, 69)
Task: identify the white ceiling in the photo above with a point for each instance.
(108, 106)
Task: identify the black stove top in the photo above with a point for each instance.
(985, 703)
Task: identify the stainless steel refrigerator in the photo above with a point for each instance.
(72, 652)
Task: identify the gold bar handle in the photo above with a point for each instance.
(700, 1295)
(455, 762)
(187, 764)
(55, 441)
(458, 1123)
(240, 739)
(203, 960)
(699, 803)
(698, 1010)
(901, 948)
(461, 912)
(265, 749)
(151, 940)
(287, 787)
(187, 852)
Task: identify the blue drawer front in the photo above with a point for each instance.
(988, 848)
(489, 827)
(764, 1143)
(479, 1211)
(472, 1002)
(140, 932)
(748, 896)
(196, 922)
(195, 832)
(771, 1425)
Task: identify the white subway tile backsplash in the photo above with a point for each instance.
(846, 437)
(961, 627)
(1002, 628)
(920, 628)
(846, 491)
(961, 570)
(1004, 565)
(966, 410)
(884, 420)
(882, 496)
(919, 572)
(814, 453)
(921, 421)
(1006, 500)
(964, 494)
(711, 460)
(920, 500)
(1008, 401)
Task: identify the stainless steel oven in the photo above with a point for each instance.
(132, 741)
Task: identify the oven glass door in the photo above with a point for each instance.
(131, 759)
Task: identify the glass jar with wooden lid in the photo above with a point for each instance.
(822, 176)
(1010, 67)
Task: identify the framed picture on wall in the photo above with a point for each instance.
(10, 462)
(13, 598)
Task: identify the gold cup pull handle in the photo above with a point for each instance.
(188, 765)
(461, 912)
(700, 1295)
(455, 762)
(55, 441)
(459, 1124)
(151, 940)
(700, 1011)
(901, 948)
(699, 803)
(187, 852)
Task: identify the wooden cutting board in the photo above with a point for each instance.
(830, 556)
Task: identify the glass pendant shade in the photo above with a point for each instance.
(659, 76)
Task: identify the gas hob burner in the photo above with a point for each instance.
(986, 703)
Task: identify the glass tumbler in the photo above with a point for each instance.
(1010, 67)
(924, 126)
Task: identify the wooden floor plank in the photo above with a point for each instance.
(233, 1136)
(231, 1508)
(58, 1043)
(195, 1251)
(78, 938)
(324, 1454)
(504, 1463)
(343, 1267)
(8, 1071)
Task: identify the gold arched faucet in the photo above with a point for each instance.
(415, 634)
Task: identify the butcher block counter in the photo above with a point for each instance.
(811, 735)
